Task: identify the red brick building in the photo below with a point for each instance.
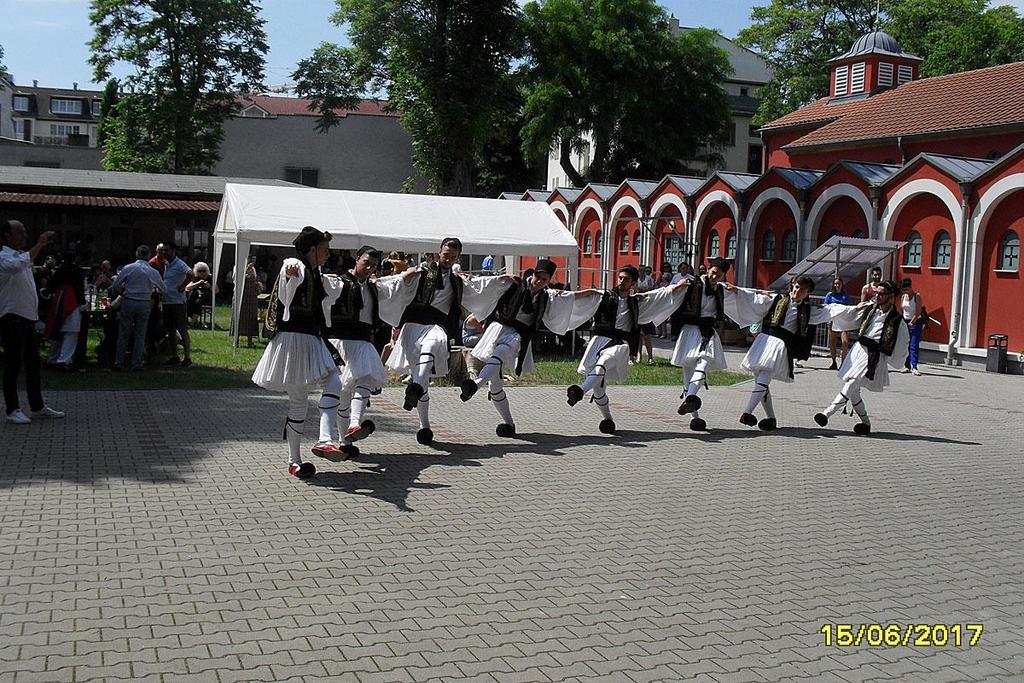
(935, 162)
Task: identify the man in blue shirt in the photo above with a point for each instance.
(135, 284)
(177, 274)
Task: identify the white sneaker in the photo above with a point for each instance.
(47, 412)
(19, 417)
(905, 371)
(916, 372)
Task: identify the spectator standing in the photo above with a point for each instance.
(914, 314)
(19, 313)
(64, 320)
(867, 292)
(155, 326)
(837, 295)
(645, 284)
(136, 283)
(248, 310)
(177, 276)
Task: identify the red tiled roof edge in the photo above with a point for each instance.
(298, 106)
(108, 202)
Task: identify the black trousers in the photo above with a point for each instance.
(21, 346)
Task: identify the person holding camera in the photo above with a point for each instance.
(19, 315)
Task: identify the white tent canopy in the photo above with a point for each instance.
(251, 214)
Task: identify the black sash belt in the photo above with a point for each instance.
(357, 331)
(526, 333)
(874, 355)
(424, 315)
(707, 331)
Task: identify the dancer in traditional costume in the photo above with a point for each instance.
(354, 307)
(787, 334)
(432, 319)
(882, 343)
(525, 307)
(298, 356)
(698, 349)
(616, 335)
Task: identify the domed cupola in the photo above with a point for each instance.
(876, 62)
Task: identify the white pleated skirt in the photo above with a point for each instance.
(415, 339)
(505, 343)
(768, 353)
(361, 360)
(293, 360)
(615, 359)
(687, 351)
(856, 366)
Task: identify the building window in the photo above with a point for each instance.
(857, 79)
(730, 244)
(1009, 251)
(906, 74)
(842, 78)
(20, 103)
(636, 241)
(789, 246)
(912, 251)
(755, 155)
(599, 243)
(588, 242)
(732, 134)
(60, 129)
(884, 74)
(19, 129)
(302, 176)
(716, 245)
(95, 107)
(768, 246)
(65, 106)
(624, 242)
(943, 250)
(744, 92)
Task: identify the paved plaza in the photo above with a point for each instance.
(156, 536)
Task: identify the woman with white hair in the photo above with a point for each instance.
(197, 292)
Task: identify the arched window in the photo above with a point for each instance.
(943, 250)
(588, 242)
(624, 242)
(714, 249)
(789, 246)
(730, 244)
(599, 243)
(768, 246)
(1009, 251)
(912, 251)
(636, 241)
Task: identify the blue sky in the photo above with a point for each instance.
(45, 40)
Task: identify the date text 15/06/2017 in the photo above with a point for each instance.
(901, 635)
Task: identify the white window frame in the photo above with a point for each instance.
(946, 254)
(730, 244)
(64, 129)
(636, 242)
(912, 252)
(1009, 262)
(715, 245)
(789, 245)
(857, 77)
(842, 80)
(885, 73)
(588, 242)
(624, 242)
(905, 75)
(96, 107)
(24, 98)
(765, 254)
(67, 106)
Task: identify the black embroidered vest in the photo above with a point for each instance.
(517, 299)
(689, 313)
(798, 344)
(420, 311)
(306, 314)
(604, 320)
(345, 312)
(886, 343)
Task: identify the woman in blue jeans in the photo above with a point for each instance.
(912, 307)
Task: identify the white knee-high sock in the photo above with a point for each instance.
(760, 391)
(600, 397)
(497, 395)
(344, 407)
(858, 403)
(423, 369)
(697, 377)
(491, 369)
(594, 379)
(360, 398)
(841, 398)
(330, 399)
(293, 424)
(423, 410)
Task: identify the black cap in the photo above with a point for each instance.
(310, 237)
(721, 263)
(545, 266)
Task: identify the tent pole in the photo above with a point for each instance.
(241, 258)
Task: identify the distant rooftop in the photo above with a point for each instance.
(114, 181)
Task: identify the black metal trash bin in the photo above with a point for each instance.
(996, 360)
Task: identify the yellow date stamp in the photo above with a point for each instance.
(901, 635)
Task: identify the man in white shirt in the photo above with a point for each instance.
(19, 313)
(135, 284)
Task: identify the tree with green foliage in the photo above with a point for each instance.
(611, 73)
(442, 64)
(798, 37)
(500, 162)
(190, 59)
(107, 104)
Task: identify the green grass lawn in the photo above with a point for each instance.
(219, 366)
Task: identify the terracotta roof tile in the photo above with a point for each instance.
(108, 202)
(973, 99)
(298, 106)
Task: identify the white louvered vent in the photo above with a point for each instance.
(906, 74)
(857, 80)
(842, 77)
(884, 74)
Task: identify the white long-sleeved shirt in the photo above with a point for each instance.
(17, 286)
(138, 280)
